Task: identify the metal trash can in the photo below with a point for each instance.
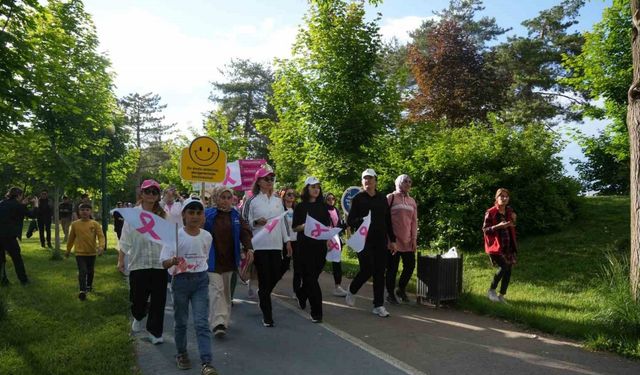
(439, 279)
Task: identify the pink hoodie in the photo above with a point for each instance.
(404, 218)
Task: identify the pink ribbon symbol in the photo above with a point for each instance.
(269, 226)
(333, 245)
(228, 180)
(363, 231)
(318, 231)
(147, 225)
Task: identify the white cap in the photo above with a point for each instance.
(311, 181)
(187, 202)
(369, 172)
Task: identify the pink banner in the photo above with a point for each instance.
(248, 168)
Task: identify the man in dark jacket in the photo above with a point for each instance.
(12, 213)
(45, 213)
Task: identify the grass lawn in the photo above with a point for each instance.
(559, 285)
(48, 330)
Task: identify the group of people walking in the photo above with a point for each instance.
(267, 231)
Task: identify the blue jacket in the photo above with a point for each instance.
(210, 216)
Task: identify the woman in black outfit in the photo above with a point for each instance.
(12, 213)
(312, 252)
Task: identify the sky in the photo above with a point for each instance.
(177, 48)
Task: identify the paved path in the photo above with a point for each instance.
(416, 339)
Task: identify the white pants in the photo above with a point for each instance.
(219, 298)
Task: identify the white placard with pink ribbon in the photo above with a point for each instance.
(357, 240)
(334, 249)
(152, 227)
(232, 177)
(266, 230)
(318, 231)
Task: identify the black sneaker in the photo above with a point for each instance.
(267, 323)
(82, 296)
(402, 294)
(392, 299)
(183, 362)
(219, 331)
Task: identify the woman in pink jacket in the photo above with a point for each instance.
(404, 218)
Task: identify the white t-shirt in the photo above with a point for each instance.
(268, 207)
(193, 252)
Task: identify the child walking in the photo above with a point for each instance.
(82, 236)
(190, 284)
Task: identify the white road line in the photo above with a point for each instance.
(406, 368)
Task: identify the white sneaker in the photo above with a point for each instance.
(501, 299)
(251, 294)
(155, 340)
(380, 311)
(136, 325)
(339, 292)
(350, 299)
(491, 293)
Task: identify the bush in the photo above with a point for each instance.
(457, 171)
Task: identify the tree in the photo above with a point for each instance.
(602, 71)
(243, 101)
(454, 86)
(331, 100)
(17, 21)
(143, 118)
(633, 122)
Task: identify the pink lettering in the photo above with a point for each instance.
(318, 231)
(147, 225)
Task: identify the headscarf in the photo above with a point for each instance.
(399, 180)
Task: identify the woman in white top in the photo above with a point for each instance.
(147, 277)
(266, 219)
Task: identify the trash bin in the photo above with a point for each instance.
(439, 279)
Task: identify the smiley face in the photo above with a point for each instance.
(204, 151)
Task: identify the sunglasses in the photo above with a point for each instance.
(291, 194)
(268, 178)
(151, 191)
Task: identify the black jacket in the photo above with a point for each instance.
(12, 215)
(380, 227)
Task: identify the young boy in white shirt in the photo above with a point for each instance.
(188, 266)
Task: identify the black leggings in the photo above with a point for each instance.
(86, 266)
(503, 273)
(268, 264)
(408, 265)
(337, 272)
(373, 261)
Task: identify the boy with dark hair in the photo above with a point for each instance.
(83, 235)
(187, 263)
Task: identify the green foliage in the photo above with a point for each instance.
(330, 98)
(457, 171)
(604, 70)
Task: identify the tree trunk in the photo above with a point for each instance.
(633, 123)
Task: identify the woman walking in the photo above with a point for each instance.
(261, 209)
(500, 243)
(337, 222)
(312, 251)
(404, 218)
(12, 213)
(147, 276)
(380, 240)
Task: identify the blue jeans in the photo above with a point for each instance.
(192, 287)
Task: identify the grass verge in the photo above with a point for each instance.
(48, 330)
(571, 283)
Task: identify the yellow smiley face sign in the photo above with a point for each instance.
(203, 161)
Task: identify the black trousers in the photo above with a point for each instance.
(10, 245)
(297, 266)
(337, 272)
(503, 274)
(373, 262)
(86, 267)
(267, 264)
(312, 263)
(44, 228)
(142, 284)
(408, 265)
